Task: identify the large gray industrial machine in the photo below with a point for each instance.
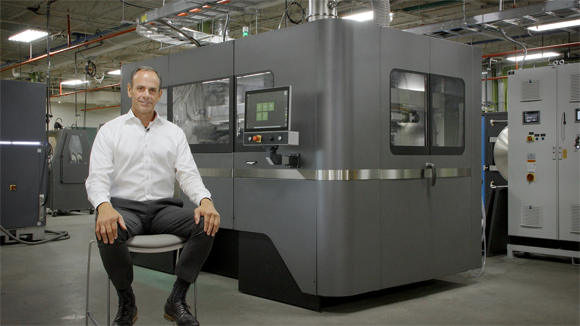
(23, 158)
(69, 169)
(387, 126)
(544, 160)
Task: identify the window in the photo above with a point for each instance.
(427, 114)
(202, 110)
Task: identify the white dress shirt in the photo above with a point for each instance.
(133, 162)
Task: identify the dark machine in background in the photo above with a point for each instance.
(23, 158)
(388, 188)
(68, 171)
(494, 184)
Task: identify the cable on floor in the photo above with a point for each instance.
(484, 242)
(60, 235)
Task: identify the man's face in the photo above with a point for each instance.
(145, 92)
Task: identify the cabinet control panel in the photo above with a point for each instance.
(271, 138)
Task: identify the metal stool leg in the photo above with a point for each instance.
(89, 315)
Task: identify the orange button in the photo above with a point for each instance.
(530, 138)
(531, 177)
(257, 138)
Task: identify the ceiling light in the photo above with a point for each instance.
(115, 72)
(555, 25)
(74, 82)
(535, 56)
(360, 17)
(365, 16)
(28, 36)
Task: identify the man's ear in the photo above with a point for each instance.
(129, 89)
(160, 92)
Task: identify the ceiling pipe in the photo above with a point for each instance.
(381, 12)
(86, 90)
(541, 48)
(102, 107)
(69, 48)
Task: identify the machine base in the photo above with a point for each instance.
(34, 233)
(263, 273)
(539, 250)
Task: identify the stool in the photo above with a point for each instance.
(148, 244)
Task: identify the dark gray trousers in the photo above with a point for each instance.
(164, 216)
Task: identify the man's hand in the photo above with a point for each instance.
(106, 226)
(210, 215)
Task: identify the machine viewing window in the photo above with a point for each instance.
(408, 111)
(577, 115)
(427, 114)
(243, 84)
(202, 111)
(268, 109)
(447, 114)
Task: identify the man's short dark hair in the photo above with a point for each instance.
(144, 68)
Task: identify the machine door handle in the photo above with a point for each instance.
(433, 173)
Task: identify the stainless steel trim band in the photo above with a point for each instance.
(336, 175)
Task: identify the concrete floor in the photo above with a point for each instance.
(45, 285)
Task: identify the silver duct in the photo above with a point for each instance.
(381, 12)
(322, 9)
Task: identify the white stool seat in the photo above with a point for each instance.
(155, 243)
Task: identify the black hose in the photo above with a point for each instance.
(60, 235)
(301, 18)
(91, 68)
(226, 25)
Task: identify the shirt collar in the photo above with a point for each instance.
(131, 117)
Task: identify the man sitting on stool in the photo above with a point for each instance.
(135, 161)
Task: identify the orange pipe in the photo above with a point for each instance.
(102, 107)
(84, 90)
(70, 48)
(549, 47)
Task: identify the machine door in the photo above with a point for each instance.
(569, 160)
(427, 194)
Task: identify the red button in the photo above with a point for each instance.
(257, 138)
(531, 177)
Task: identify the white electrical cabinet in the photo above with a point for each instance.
(544, 160)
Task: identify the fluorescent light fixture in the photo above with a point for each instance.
(34, 143)
(3, 142)
(115, 72)
(28, 36)
(555, 25)
(361, 17)
(74, 82)
(534, 56)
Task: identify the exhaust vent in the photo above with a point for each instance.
(575, 217)
(531, 216)
(575, 84)
(531, 90)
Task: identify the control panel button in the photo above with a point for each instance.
(280, 137)
(530, 138)
(531, 177)
(257, 138)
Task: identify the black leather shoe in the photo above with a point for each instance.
(179, 313)
(126, 316)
